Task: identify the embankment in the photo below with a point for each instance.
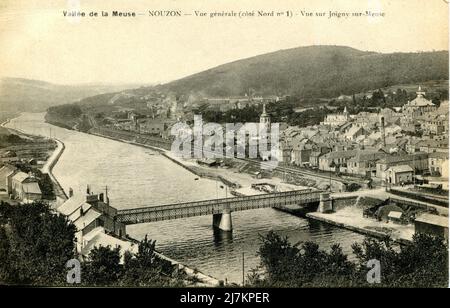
(361, 230)
(60, 194)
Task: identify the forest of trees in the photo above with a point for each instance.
(66, 111)
(423, 263)
(314, 71)
(66, 116)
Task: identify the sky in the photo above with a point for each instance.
(38, 42)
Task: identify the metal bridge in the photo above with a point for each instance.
(216, 206)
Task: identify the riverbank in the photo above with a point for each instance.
(60, 194)
(352, 219)
(49, 164)
(348, 213)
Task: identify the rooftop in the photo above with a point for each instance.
(6, 170)
(440, 155)
(83, 208)
(420, 102)
(70, 206)
(403, 158)
(401, 168)
(395, 214)
(341, 154)
(99, 238)
(20, 176)
(433, 220)
(367, 155)
(90, 216)
(31, 188)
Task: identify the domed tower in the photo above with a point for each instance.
(420, 93)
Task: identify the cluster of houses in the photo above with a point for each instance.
(19, 185)
(92, 214)
(392, 146)
(383, 146)
(143, 125)
(95, 222)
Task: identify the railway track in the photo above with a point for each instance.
(303, 172)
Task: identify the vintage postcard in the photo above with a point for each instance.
(224, 144)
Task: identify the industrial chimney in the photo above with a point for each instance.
(383, 134)
(106, 195)
(70, 192)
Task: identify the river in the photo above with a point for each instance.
(138, 177)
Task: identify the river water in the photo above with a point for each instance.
(138, 177)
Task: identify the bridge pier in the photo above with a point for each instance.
(223, 220)
(326, 203)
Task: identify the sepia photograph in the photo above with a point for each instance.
(224, 149)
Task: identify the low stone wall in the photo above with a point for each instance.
(364, 231)
(438, 200)
(339, 203)
(361, 202)
(60, 194)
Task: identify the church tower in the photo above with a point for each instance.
(264, 119)
(345, 113)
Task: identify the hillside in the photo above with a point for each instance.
(309, 76)
(17, 94)
(315, 71)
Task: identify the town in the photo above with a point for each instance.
(388, 146)
(395, 158)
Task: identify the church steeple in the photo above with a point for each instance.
(264, 118)
(264, 110)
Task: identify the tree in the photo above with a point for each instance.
(146, 268)
(277, 256)
(4, 256)
(37, 245)
(103, 266)
(423, 263)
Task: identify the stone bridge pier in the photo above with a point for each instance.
(326, 203)
(223, 220)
